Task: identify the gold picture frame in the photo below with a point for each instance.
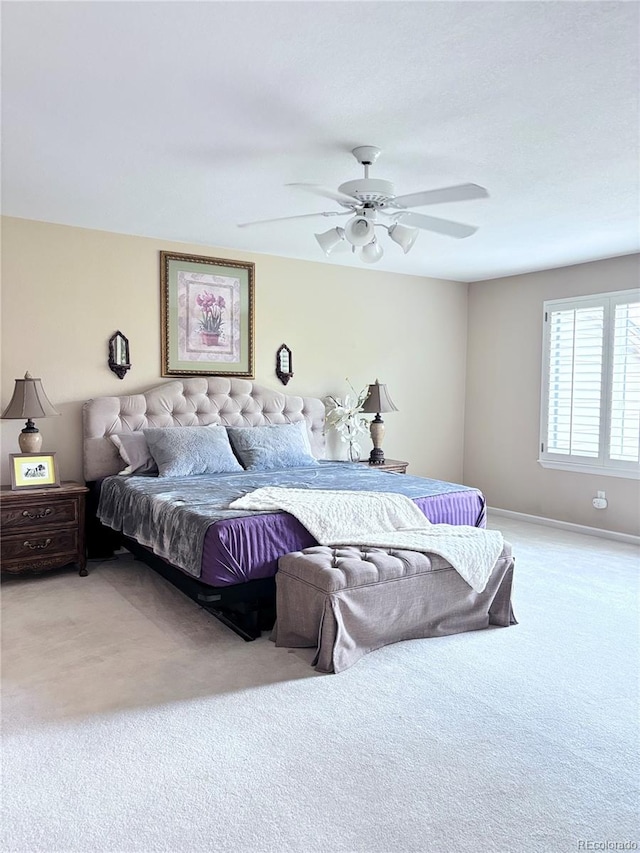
(34, 471)
(207, 316)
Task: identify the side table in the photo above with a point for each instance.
(42, 529)
(387, 465)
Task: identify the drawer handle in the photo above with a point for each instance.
(37, 545)
(42, 514)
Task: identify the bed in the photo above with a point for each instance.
(223, 559)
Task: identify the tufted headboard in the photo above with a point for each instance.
(196, 401)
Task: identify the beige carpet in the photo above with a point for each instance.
(133, 721)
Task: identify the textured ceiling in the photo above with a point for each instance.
(180, 120)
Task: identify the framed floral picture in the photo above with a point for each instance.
(33, 471)
(207, 316)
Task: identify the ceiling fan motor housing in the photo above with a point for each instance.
(371, 190)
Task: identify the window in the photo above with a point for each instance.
(590, 412)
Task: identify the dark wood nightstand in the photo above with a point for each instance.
(42, 529)
(388, 465)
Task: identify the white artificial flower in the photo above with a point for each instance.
(345, 416)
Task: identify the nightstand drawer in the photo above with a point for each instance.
(40, 513)
(33, 547)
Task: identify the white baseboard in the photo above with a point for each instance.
(566, 525)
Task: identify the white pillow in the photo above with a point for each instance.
(134, 452)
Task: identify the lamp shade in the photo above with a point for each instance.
(29, 400)
(379, 400)
(328, 240)
(403, 235)
(359, 230)
(372, 252)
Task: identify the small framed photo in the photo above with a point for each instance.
(34, 471)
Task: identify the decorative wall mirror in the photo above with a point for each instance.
(284, 364)
(119, 354)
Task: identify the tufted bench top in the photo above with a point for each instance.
(348, 567)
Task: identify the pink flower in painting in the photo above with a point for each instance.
(211, 308)
(206, 300)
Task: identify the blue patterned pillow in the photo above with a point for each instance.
(268, 447)
(187, 451)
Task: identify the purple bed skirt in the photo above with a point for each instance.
(248, 548)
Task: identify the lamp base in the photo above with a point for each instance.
(376, 457)
(30, 439)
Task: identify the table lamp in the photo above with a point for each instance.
(29, 401)
(378, 401)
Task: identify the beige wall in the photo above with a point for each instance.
(66, 290)
(503, 399)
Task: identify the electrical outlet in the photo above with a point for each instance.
(600, 503)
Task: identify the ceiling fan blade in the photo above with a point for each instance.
(317, 189)
(300, 216)
(440, 226)
(460, 192)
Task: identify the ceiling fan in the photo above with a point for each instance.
(371, 201)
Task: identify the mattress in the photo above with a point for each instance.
(231, 547)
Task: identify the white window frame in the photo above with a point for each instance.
(602, 465)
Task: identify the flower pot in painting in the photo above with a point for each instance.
(211, 323)
(209, 339)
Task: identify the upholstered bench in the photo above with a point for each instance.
(348, 601)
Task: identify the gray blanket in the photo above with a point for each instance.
(171, 515)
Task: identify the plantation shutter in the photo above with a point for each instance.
(624, 431)
(590, 402)
(575, 380)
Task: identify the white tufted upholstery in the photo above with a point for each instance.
(351, 600)
(196, 401)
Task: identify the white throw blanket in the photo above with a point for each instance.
(382, 520)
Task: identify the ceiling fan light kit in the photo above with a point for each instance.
(372, 252)
(367, 197)
(404, 236)
(328, 240)
(359, 230)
